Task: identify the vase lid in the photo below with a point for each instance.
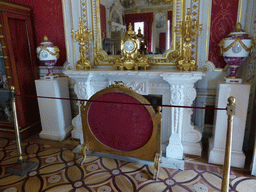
(238, 32)
(46, 42)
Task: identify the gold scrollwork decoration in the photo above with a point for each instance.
(98, 58)
(119, 84)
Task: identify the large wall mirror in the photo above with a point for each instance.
(157, 21)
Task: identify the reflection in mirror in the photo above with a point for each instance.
(153, 20)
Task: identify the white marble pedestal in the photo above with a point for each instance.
(55, 114)
(218, 142)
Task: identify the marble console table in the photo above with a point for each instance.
(179, 135)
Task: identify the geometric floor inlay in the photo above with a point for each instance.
(58, 169)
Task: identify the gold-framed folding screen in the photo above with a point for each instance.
(115, 121)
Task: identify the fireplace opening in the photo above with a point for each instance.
(208, 121)
(154, 100)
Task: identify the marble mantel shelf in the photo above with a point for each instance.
(151, 72)
(179, 135)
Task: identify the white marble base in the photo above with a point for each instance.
(218, 142)
(217, 156)
(175, 87)
(192, 148)
(55, 114)
(57, 135)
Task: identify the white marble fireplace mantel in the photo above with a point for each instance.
(179, 135)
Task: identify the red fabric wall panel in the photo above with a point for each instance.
(48, 20)
(223, 21)
(147, 18)
(103, 19)
(162, 41)
(20, 45)
(170, 18)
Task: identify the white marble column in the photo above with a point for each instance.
(185, 137)
(81, 89)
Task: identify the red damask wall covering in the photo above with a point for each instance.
(223, 21)
(48, 20)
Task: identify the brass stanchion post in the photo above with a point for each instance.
(23, 166)
(231, 109)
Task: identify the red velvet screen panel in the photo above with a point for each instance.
(123, 127)
(223, 21)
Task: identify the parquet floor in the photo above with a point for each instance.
(59, 169)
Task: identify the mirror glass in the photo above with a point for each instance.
(155, 20)
(152, 22)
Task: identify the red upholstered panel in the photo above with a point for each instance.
(122, 127)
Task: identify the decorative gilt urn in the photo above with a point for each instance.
(48, 54)
(235, 48)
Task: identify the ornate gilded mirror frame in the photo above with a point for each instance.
(101, 58)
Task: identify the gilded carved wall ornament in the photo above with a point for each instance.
(253, 50)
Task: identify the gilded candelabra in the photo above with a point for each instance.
(82, 36)
(189, 29)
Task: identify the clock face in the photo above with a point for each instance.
(128, 45)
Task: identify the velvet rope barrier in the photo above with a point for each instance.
(154, 105)
(227, 162)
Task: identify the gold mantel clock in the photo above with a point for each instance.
(131, 56)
